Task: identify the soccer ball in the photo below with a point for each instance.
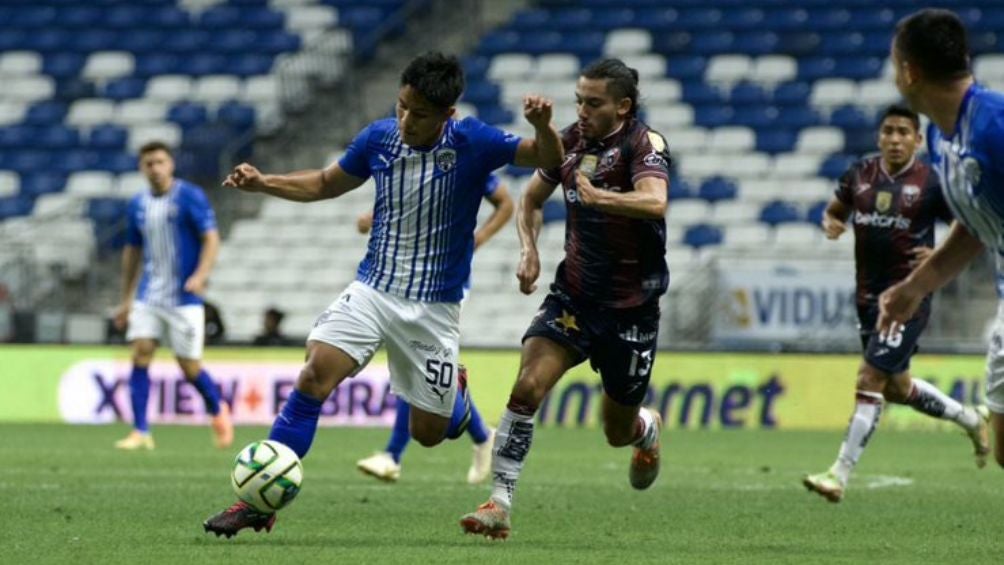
(267, 475)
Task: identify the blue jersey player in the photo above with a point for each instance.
(430, 171)
(170, 233)
(966, 141)
(386, 465)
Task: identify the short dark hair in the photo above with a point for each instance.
(935, 41)
(437, 77)
(622, 80)
(901, 111)
(151, 146)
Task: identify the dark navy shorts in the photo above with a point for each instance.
(893, 355)
(620, 344)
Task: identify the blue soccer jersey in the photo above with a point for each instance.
(169, 229)
(427, 202)
(970, 164)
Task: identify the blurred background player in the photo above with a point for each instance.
(930, 54)
(895, 200)
(430, 172)
(271, 335)
(171, 232)
(386, 465)
(603, 305)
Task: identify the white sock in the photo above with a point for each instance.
(512, 443)
(927, 399)
(648, 436)
(867, 410)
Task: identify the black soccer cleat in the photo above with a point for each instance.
(239, 516)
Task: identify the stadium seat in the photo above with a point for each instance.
(20, 63)
(836, 165)
(820, 140)
(702, 235)
(107, 65)
(717, 189)
(731, 139)
(10, 183)
(779, 212)
(627, 42)
(775, 141)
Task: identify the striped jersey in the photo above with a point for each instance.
(169, 229)
(970, 163)
(427, 201)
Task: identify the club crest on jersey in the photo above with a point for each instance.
(971, 170)
(910, 194)
(883, 200)
(609, 159)
(446, 159)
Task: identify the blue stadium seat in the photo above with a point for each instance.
(188, 41)
(79, 17)
(33, 17)
(860, 141)
(221, 17)
(497, 42)
(660, 19)
(699, 18)
(877, 43)
(41, 182)
(686, 67)
(45, 113)
(68, 90)
(168, 17)
(872, 19)
(156, 64)
(779, 212)
(249, 65)
(775, 141)
(14, 206)
(57, 137)
(850, 117)
(702, 235)
(75, 160)
(700, 94)
(63, 65)
(108, 137)
(12, 40)
(586, 45)
(571, 19)
(360, 18)
(785, 19)
(539, 43)
(757, 117)
(276, 42)
(529, 20)
(815, 213)
(554, 211)
(124, 88)
(679, 189)
(263, 18)
(797, 117)
(125, 17)
(614, 18)
(743, 19)
(712, 42)
(240, 117)
(482, 93)
(119, 162)
(671, 42)
(827, 19)
(716, 189)
(836, 165)
(756, 43)
(842, 43)
(713, 116)
(791, 94)
(49, 40)
(15, 137)
(188, 114)
(475, 67)
(858, 68)
(234, 41)
(107, 210)
(142, 41)
(745, 94)
(201, 65)
(798, 44)
(983, 42)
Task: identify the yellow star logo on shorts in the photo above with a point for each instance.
(567, 321)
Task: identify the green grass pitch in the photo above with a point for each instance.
(723, 497)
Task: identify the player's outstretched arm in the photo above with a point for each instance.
(834, 218)
(301, 186)
(648, 200)
(529, 219)
(900, 302)
(545, 150)
(503, 208)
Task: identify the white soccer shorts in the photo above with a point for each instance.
(181, 327)
(995, 364)
(422, 341)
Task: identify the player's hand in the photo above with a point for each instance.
(832, 227)
(537, 110)
(528, 271)
(364, 223)
(120, 317)
(196, 284)
(897, 305)
(920, 254)
(589, 195)
(245, 177)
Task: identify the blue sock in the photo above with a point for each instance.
(207, 388)
(297, 422)
(139, 394)
(400, 435)
(477, 428)
(461, 414)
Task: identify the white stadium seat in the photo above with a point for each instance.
(166, 132)
(511, 66)
(169, 88)
(139, 112)
(19, 63)
(831, 92)
(728, 69)
(216, 89)
(773, 69)
(731, 139)
(91, 184)
(820, 140)
(106, 65)
(30, 88)
(10, 183)
(622, 42)
(877, 93)
(557, 66)
(648, 65)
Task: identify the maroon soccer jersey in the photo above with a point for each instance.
(610, 260)
(892, 215)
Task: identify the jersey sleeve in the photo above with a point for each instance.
(498, 148)
(491, 185)
(199, 211)
(650, 157)
(845, 187)
(356, 159)
(134, 236)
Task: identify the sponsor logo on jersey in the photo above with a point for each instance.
(863, 187)
(877, 220)
(658, 143)
(910, 194)
(883, 200)
(446, 159)
(653, 159)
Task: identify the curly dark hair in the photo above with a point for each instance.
(437, 77)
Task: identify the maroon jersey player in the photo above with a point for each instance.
(603, 305)
(893, 200)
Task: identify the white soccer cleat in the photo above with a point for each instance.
(827, 485)
(489, 520)
(135, 440)
(481, 466)
(381, 466)
(980, 436)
